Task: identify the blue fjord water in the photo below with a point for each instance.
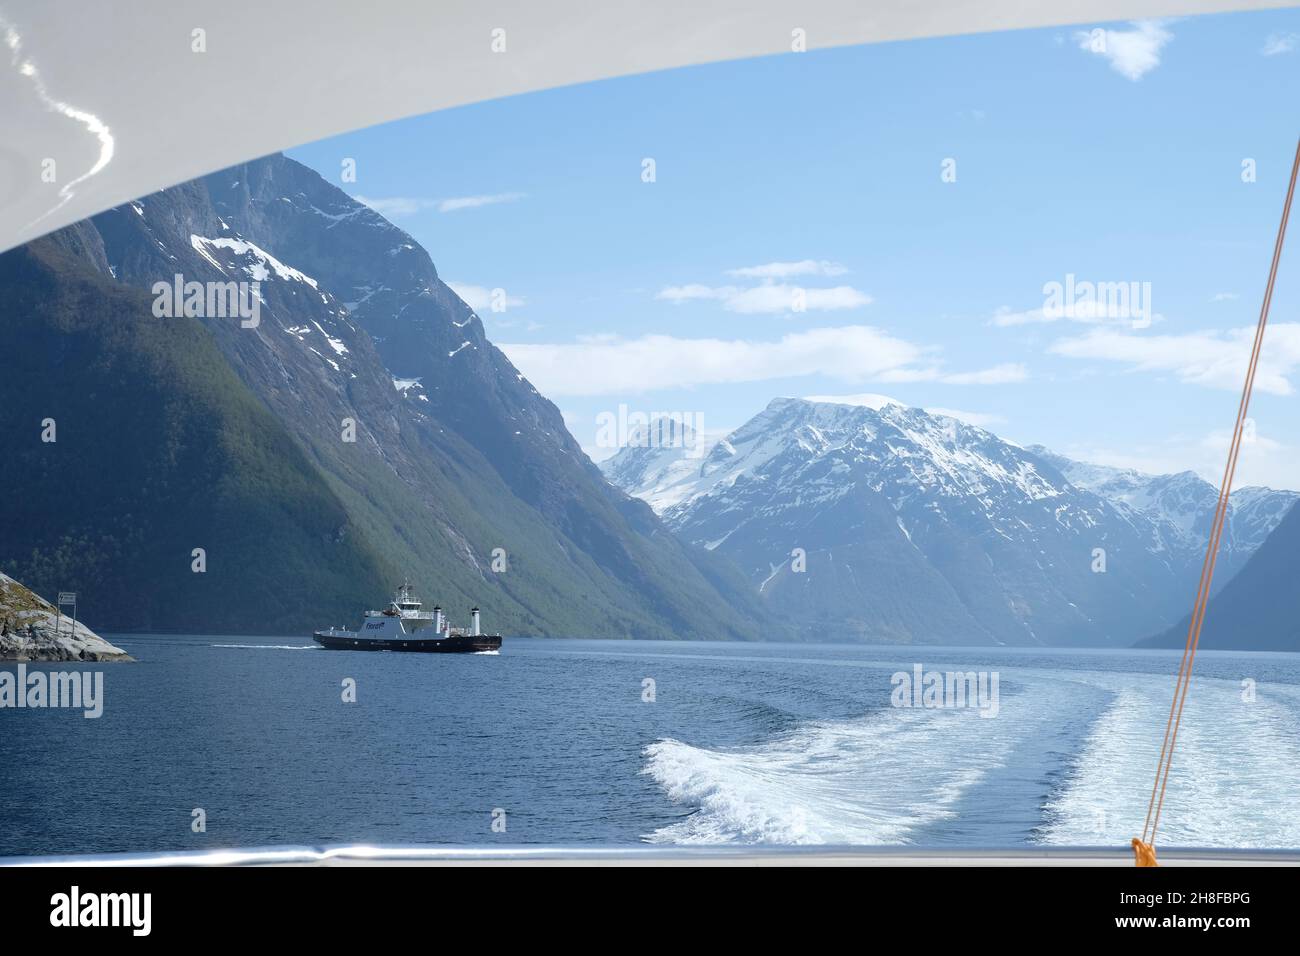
(741, 744)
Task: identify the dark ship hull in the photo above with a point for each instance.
(455, 644)
(402, 626)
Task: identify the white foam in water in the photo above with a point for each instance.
(271, 647)
(880, 779)
(1235, 779)
(868, 781)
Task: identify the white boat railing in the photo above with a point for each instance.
(364, 854)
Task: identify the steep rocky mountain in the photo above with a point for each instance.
(363, 431)
(914, 526)
(132, 443)
(1256, 610)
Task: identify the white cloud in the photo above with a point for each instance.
(397, 207)
(1213, 359)
(997, 375)
(604, 365)
(1131, 53)
(773, 296)
(685, 293)
(479, 298)
(1087, 312)
(473, 202)
(1149, 461)
(1225, 296)
(1280, 43)
(1264, 461)
(786, 270)
(768, 299)
(1004, 317)
(1220, 441)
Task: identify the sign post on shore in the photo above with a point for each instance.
(65, 597)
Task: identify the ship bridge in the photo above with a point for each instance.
(408, 606)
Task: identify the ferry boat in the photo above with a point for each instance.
(403, 626)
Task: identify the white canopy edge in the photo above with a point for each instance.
(115, 94)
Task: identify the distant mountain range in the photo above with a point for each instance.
(176, 434)
(895, 524)
(194, 474)
(1178, 509)
(1259, 608)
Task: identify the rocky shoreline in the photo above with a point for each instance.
(28, 631)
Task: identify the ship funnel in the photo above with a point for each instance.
(474, 627)
(437, 620)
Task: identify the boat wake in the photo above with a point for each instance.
(1233, 781)
(270, 647)
(873, 780)
(895, 776)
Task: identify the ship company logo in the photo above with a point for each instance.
(208, 300)
(74, 909)
(56, 689)
(941, 690)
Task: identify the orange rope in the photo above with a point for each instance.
(1144, 848)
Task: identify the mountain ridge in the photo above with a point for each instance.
(1258, 609)
(891, 500)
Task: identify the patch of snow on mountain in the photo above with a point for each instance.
(336, 344)
(262, 265)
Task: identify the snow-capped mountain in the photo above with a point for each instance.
(896, 524)
(1178, 509)
(660, 460)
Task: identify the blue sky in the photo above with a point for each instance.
(1112, 157)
